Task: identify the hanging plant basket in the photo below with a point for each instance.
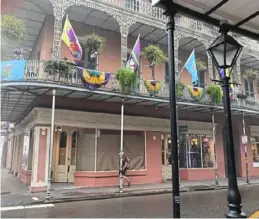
(195, 92)
(94, 43)
(250, 74)
(201, 66)
(179, 89)
(154, 54)
(12, 29)
(127, 79)
(215, 93)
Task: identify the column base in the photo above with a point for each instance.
(234, 211)
(38, 189)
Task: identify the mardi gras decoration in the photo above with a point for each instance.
(152, 86)
(93, 79)
(195, 92)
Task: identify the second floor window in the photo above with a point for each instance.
(249, 88)
(85, 61)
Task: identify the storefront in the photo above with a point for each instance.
(196, 151)
(255, 146)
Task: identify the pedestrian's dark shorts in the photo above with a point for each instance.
(124, 171)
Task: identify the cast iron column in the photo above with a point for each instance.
(233, 195)
(170, 26)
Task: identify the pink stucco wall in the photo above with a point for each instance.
(152, 173)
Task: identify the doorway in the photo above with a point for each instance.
(65, 159)
(166, 158)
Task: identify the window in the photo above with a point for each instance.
(108, 148)
(255, 151)
(201, 79)
(73, 148)
(85, 156)
(62, 148)
(249, 88)
(166, 72)
(196, 151)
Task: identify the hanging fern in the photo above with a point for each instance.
(201, 66)
(127, 79)
(94, 43)
(250, 74)
(154, 54)
(12, 28)
(215, 93)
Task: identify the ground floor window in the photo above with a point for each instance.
(255, 150)
(98, 149)
(195, 151)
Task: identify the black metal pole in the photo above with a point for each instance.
(170, 26)
(233, 195)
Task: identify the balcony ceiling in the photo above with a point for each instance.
(33, 14)
(250, 61)
(233, 10)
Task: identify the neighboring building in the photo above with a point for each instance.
(87, 123)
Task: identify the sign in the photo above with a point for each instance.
(244, 139)
(26, 145)
(183, 129)
(12, 70)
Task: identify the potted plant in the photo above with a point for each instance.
(94, 44)
(56, 68)
(12, 28)
(250, 74)
(201, 66)
(127, 79)
(179, 89)
(154, 55)
(215, 94)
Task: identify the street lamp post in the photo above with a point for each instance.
(224, 52)
(168, 6)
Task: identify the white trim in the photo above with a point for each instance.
(255, 164)
(145, 135)
(95, 150)
(36, 144)
(47, 153)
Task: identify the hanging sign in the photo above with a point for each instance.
(244, 139)
(183, 129)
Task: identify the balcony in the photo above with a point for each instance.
(34, 72)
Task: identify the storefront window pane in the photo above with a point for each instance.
(255, 151)
(85, 156)
(183, 144)
(62, 148)
(108, 148)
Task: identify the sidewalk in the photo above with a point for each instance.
(14, 193)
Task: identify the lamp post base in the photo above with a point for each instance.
(234, 211)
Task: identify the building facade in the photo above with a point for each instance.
(87, 123)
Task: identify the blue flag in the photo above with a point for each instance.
(134, 59)
(12, 70)
(190, 66)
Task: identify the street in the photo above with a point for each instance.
(193, 204)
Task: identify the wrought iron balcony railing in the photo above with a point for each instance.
(34, 71)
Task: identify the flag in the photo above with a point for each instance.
(190, 66)
(70, 39)
(134, 59)
(12, 70)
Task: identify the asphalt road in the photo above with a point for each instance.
(193, 204)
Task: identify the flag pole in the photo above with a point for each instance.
(186, 62)
(121, 147)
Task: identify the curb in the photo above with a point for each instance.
(129, 194)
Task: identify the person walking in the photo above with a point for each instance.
(125, 167)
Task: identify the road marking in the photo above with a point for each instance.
(35, 198)
(26, 207)
(255, 215)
